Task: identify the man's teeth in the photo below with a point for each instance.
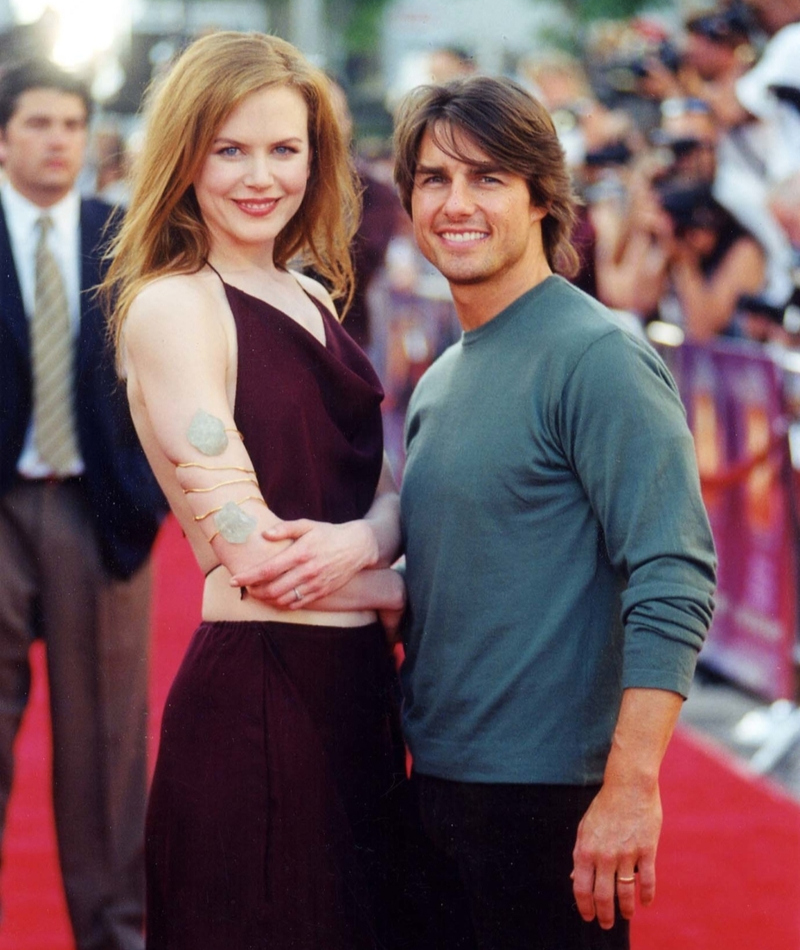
(463, 235)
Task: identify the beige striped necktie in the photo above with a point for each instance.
(52, 357)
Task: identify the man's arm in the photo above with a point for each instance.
(627, 434)
(619, 832)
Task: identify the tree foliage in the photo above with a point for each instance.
(587, 10)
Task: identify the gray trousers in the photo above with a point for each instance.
(96, 634)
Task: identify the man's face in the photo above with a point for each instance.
(473, 221)
(43, 145)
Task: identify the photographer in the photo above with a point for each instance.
(712, 261)
(677, 254)
(758, 110)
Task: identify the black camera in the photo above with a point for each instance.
(666, 53)
(689, 205)
(761, 308)
(730, 27)
(611, 154)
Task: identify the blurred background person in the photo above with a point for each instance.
(79, 511)
(757, 110)
(591, 134)
(676, 253)
(111, 165)
(380, 219)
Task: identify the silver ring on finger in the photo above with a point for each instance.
(626, 880)
(297, 594)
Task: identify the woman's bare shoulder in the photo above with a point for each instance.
(316, 290)
(176, 310)
(170, 289)
(176, 300)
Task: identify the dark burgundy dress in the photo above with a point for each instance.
(272, 820)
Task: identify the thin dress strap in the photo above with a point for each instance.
(209, 264)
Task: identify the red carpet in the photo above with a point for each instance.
(729, 861)
(34, 912)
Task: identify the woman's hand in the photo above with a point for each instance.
(321, 559)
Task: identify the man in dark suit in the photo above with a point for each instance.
(79, 510)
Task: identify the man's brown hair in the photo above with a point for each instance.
(512, 128)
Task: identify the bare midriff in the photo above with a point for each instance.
(223, 602)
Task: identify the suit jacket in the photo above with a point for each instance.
(125, 502)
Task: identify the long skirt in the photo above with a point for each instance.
(275, 817)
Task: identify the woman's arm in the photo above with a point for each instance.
(633, 249)
(178, 362)
(325, 557)
(177, 354)
(708, 304)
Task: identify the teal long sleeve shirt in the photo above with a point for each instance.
(557, 547)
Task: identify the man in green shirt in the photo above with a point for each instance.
(560, 566)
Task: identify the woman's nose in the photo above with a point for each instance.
(259, 172)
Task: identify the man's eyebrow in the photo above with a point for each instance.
(477, 168)
(428, 170)
(486, 168)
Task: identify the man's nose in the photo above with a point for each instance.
(459, 201)
(60, 136)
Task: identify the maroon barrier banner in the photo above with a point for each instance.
(734, 399)
(411, 333)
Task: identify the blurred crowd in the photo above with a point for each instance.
(684, 142)
(685, 147)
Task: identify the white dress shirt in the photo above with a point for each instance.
(64, 239)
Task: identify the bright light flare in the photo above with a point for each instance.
(87, 27)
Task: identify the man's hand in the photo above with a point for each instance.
(321, 559)
(391, 621)
(617, 836)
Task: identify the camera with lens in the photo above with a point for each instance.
(614, 153)
(730, 26)
(689, 205)
(666, 53)
(760, 307)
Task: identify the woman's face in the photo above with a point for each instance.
(255, 175)
(701, 240)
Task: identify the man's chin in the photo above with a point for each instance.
(463, 278)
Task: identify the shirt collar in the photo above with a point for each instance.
(65, 213)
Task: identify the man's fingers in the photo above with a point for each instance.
(647, 880)
(604, 894)
(583, 890)
(626, 893)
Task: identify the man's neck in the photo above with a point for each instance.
(479, 303)
(41, 198)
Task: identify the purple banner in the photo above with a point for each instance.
(734, 399)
